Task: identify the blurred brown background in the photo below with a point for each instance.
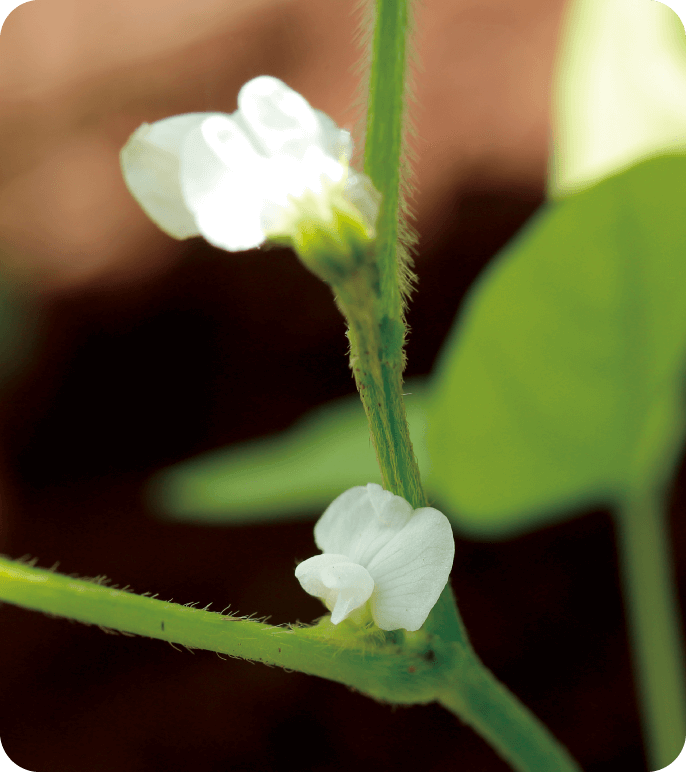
(152, 350)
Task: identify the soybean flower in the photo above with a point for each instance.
(381, 558)
(274, 169)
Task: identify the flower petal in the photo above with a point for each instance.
(150, 166)
(334, 141)
(280, 119)
(221, 178)
(343, 585)
(411, 571)
(360, 190)
(361, 521)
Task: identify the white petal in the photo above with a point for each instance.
(221, 179)
(317, 164)
(360, 190)
(411, 571)
(361, 521)
(280, 119)
(289, 186)
(342, 585)
(150, 166)
(334, 141)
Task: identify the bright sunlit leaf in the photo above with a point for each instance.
(618, 91)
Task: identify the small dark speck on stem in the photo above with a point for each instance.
(163, 625)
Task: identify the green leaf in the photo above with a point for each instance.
(299, 471)
(561, 385)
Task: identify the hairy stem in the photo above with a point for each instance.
(384, 142)
(372, 298)
(376, 361)
(373, 666)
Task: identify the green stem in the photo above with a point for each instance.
(372, 302)
(475, 695)
(384, 141)
(376, 361)
(372, 666)
(373, 298)
(654, 623)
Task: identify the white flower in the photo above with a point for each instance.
(240, 179)
(378, 550)
(618, 92)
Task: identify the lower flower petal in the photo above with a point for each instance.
(342, 585)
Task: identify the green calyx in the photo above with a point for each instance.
(334, 248)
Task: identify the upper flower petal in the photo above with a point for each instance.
(222, 179)
(361, 521)
(411, 571)
(150, 166)
(343, 585)
(281, 121)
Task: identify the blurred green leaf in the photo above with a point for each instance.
(297, 472)
(562, 383)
